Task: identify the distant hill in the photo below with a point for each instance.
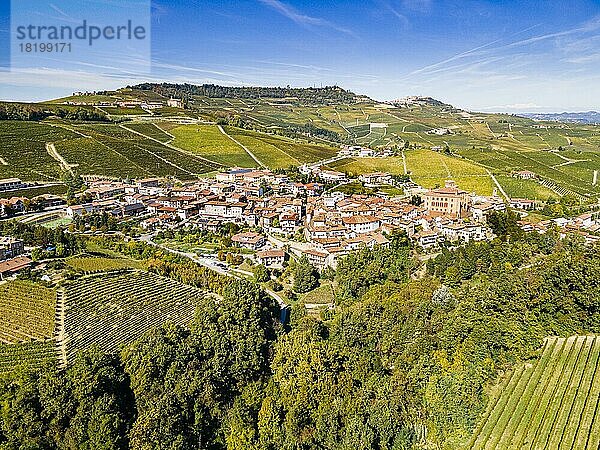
(328, 95)
(591, 117)
(416, 100)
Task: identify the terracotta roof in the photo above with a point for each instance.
(12, 265)
(271, 254)
(359, 219)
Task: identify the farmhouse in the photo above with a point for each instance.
(524, 175)
(271, 258)
(250, 240)
(12, 266)
(175, 103)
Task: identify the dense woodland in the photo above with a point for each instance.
(399, 363)
(310, 95)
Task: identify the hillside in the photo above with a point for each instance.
(281, 127)
(550, 404)
(311, 95)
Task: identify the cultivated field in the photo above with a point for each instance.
(98, 149)
(30, 354)
(277, 151)
(208, 142)
(112, 310)
(565, 154)
(97, 264)
(426, 167)
(551, 404)
(26, 312)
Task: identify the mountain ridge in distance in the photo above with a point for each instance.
(589, 117)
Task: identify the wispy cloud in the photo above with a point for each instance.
(417, 5)
(303, 19)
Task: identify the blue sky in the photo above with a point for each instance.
(482, 55)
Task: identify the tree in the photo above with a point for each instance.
(306, 277)
(261, 274)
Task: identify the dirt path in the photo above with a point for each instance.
(59, 328)
(243, 146)
(3, 161)
(51, 149)
(498, 185)
(404, 162)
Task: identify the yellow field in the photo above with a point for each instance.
(208, 142)
(431, 169)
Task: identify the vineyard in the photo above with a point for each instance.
(114, 309)
(30, 354)
(551, 404)
(96, 264)
(151, 130)
(23, 150)
(26, 312)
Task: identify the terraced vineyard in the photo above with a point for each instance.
(26, 312)
(147, 155)
(31, 354)
(551, 404)
(112, 310)
(277, 152)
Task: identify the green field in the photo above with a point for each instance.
(500, 142)
(150, 130)
(550, 404)
(98, 149)
(23, 150)
(516, 188)
(426, 167)
(280, 152)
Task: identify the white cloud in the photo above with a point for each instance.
(303, 19)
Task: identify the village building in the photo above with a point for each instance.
(249, 240)
(375, 178)
(448, 200)
(524, 175)
(272, 259)
(522, 203)
(361, 224)
(10, 247)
